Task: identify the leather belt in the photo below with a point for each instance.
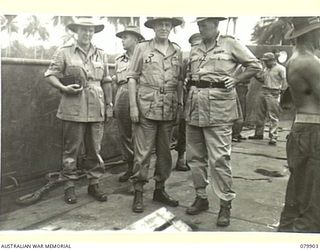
(122, 82)
(207, 84)
(162, 89)
(91, 82)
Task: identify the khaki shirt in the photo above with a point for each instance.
(216, 106)
(92, 69)
(274, 78)
(121, 68)
(122, 65)
(158, 76)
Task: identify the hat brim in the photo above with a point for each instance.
(74, 26)
(150, 23)
(206, 18)
(292, 34)
(194, 37)
(267, 59)
(138, 35)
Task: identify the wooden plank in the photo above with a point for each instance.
(153, 221)
(51, 228)
(29, 216)
(178, 226)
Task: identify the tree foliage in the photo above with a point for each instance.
(271, 31)
(36, 29)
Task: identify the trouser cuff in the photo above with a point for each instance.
(138, 186)
(68, 184)
(201, 193)
(93, 181)
(159, 185)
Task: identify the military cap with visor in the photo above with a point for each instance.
(269, 56)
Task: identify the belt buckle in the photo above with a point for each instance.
(162, 90)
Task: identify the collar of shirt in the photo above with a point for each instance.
(92, 49)
(125, 57)
(170, 51)
(203, 48)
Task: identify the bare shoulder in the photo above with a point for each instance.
(304, 64)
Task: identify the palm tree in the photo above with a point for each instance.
(64, 21)
(124, 21)
(271, 31)
(234, 21)
(10, 26)
(37, 30)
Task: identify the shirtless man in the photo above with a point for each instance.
(301, 212)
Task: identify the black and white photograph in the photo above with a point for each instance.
(160, 124)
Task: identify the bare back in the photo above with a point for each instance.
(303, 75)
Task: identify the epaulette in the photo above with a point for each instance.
(176, 45)
(119, 57)
(66, 45)
(228, 36)
(144, 41)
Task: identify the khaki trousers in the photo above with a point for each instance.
(209, 148)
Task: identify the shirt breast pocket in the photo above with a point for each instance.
(222, 63)
(175, 64)
(98, 70)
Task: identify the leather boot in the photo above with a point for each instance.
(137, 205)
(70, 196)
(256, 137)
(180, 166)
(273, 142)
(160, 195)
(95, 192)
(125, 177)
(198, 206)
(224, 214)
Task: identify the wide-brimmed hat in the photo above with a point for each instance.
(131, 30)
(174, 20)
(86, 22)
(302, 25)
(269, 56)
(199, 19)
(194, 37)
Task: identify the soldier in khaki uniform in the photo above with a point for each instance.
(130, 38)
(80, 72)
(211, 109)
(274, 82)
(154, 103)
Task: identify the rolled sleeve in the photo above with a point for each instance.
(245, 57)
(57, 65)
(106, 76)
(282, 73)
(182, 70)
(135, 66)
